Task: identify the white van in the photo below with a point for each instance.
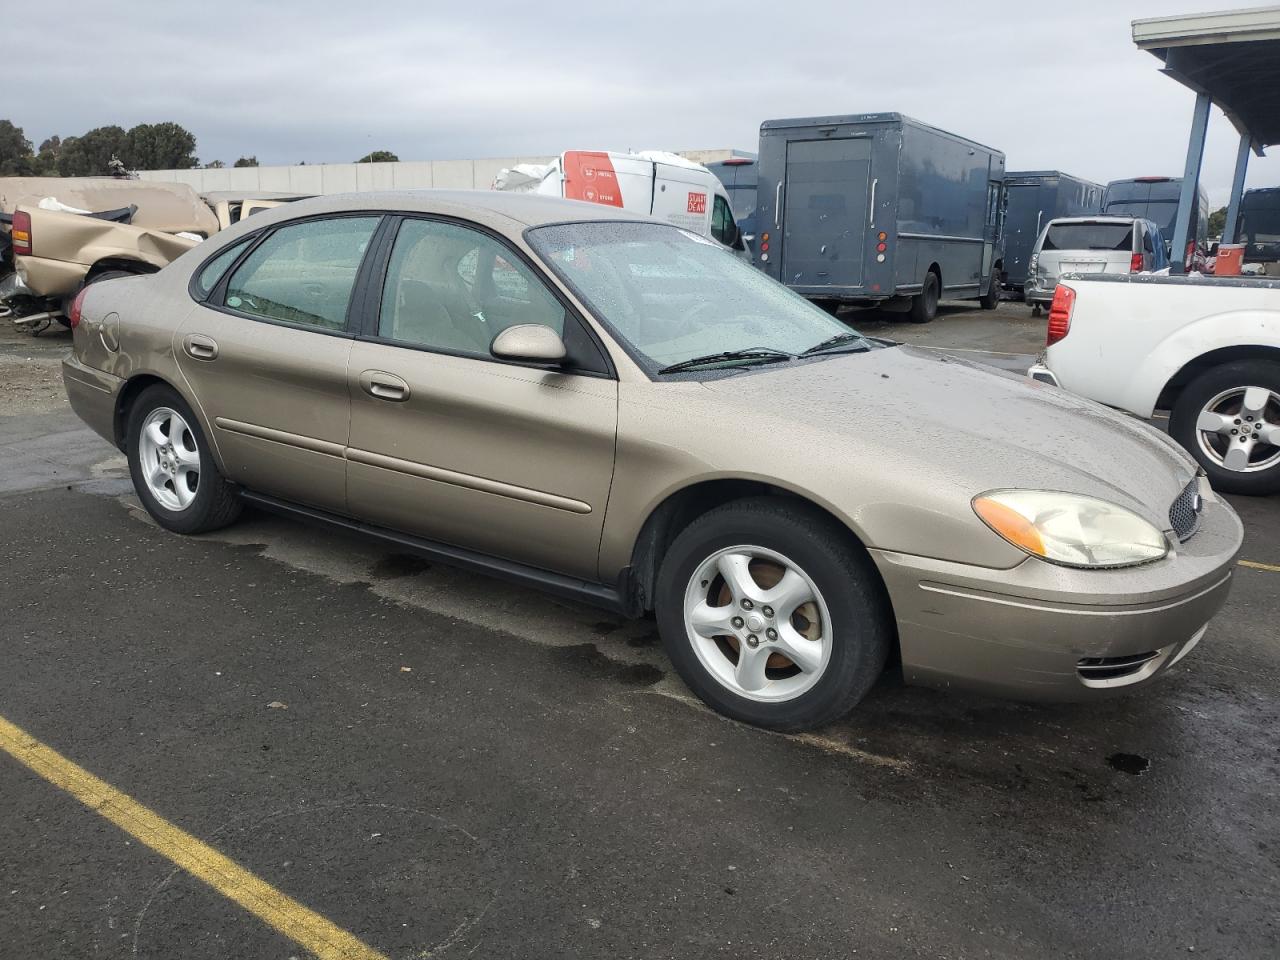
(661, 185)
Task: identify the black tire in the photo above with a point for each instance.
(991, 299)
(862, 621)
(1035, 309)
(216, 503)
(924, 305)
(1194, 397)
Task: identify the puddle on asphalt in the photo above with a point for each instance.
(399, 565)
(1129, 763)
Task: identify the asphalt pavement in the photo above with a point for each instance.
(441, 765)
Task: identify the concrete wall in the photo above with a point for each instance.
(351, 177)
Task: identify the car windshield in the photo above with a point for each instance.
(1089, 236)
(673, 296)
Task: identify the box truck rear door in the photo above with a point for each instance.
(825, 212)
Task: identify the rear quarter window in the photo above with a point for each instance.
(212, 272)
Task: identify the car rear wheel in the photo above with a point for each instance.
(924, 305)
(1228, 418)
(771, 617)
(172, 469)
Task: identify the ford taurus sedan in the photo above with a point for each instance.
(618, 411)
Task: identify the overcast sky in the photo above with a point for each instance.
(1054, 85)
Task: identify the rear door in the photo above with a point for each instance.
(266, 354)
(825, 205)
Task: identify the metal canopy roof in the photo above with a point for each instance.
(1233, 57)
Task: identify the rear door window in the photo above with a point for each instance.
(303, 273)
(1089, 236)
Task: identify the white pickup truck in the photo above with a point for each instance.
(1207, 349)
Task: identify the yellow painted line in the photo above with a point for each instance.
(1255, 565)
(306, 928)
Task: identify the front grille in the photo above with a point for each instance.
(1184, 515)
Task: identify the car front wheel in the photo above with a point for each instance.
(172, 468)
(1229, 420)
(771, 616)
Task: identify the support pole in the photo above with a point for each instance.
(1232, 228)
(1184, 226)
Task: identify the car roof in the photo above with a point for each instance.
(529, 209)
(1098, 219)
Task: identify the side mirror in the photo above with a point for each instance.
(530, 342)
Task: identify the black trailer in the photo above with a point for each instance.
(879, 209)
(1034, 197)
(1260, 225)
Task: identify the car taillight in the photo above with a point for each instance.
(21, 233)
(1064, 301)
(73, 315)
(1135, 263)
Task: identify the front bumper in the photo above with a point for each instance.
(1044, 632)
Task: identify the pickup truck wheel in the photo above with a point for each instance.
(1229, 420)
(172, 468)
(770, 616)
(924, 305)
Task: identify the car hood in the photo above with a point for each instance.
(924, 416)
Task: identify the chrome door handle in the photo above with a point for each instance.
(384, 386)
(199, 347)
(871, 215)
(777, 207)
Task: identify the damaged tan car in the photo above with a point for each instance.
(64, 233)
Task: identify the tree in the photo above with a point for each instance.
(15, 151)
(246, 162)
(214, 165)
(1217, 221)
(47, 158)
(160, 146)
(379, 156)
(90, 155)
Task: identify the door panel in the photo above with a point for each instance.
(825, 206)
(507, 460)
(276, 400)
(268, 365)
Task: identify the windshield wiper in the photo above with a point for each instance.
(843, 340)
(758, 354)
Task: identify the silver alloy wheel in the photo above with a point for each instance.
(169, 459)
(758, 623)
(1239, 429)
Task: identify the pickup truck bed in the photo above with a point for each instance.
(1205, 348)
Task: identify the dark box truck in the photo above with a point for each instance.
(1156, 198)
(1260, 227)
(1032, 199)
(880, 209)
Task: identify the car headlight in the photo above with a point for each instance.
(1069, 529)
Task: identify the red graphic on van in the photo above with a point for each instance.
(697, 203)
(589, 176)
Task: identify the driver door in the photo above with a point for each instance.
(507, 459)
